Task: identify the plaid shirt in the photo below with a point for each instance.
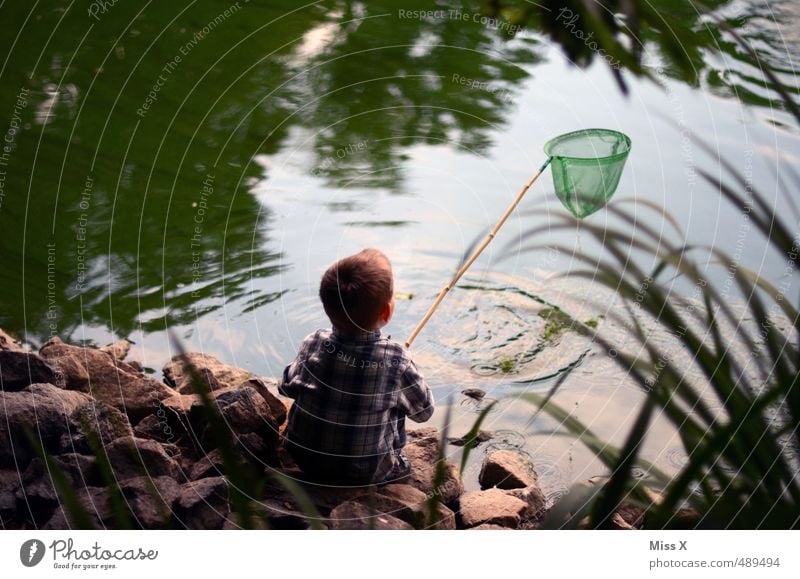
(351, 397)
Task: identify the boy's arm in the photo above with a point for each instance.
(415, 397)
(287, 384)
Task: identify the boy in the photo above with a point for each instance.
(352, 388)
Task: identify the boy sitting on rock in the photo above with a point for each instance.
(353, 388)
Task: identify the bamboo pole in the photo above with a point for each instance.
(475, 254)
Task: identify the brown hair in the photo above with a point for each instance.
(355, 289)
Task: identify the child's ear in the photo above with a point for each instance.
(388, 311)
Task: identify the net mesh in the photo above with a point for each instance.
(587, 166)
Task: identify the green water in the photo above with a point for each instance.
(196, 166)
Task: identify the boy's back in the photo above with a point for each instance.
(351, 396)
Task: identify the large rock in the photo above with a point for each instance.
(422, 450)
(96, 506)
(536, 501)
(106, 378)
(118, 350)
(492, 506)
(21, 369)
(353, 515)
(94, 425)
(54, 417)
(8, 342)
(411, 505)
(277, 407)
(506, 469)
(42, 488)
(9, 485)
(132, 457)
(216, 374)
(203, 504)
(150, 500)
(246, 417)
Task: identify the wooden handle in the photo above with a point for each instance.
(462, 270)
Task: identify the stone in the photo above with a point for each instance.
(474, 441)
(217, 374)
(44, 409)
(534, 498)
(94, 503)
(94, 420)
(118, 350)
(113, 381)
(353, 515)
(506, 469)
(132, 457)
(276, 406)
(411, 505)
(203, 504)
(248, 418)
(20, 369)
(150, 500)
(10, 343)
(492, 506)
(9, 484)
(422, 450)
(488, 527)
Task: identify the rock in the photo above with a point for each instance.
(132, 457)
(94, 420)
(118, 350)
(410, 504)
(245, 412)
(112, 381)
(40, 492)
(45, 410)
(422, 450)
(353, 515)
(19, 369)
(474, 393)
(9, 343)
(203, 504)
(276, 406)
(506, 469)
(150, 499)
(491, 506)
(208, 465)
(632, 515)
(9, 484)
(534, 498)
(94, 503)
(481, 437)
(488, 527)
(217, 374)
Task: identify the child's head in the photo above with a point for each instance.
(357, 292)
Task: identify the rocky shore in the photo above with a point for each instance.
(146, 453)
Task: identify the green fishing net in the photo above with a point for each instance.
(586, 167)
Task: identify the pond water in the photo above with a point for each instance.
(197, 167)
